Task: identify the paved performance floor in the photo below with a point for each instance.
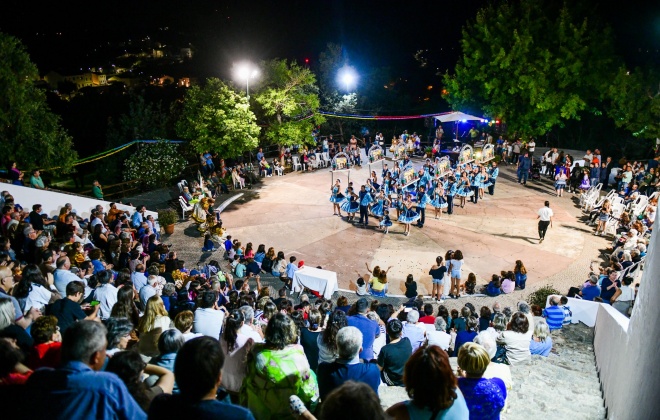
(293, 214)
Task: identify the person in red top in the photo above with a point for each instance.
(12, 371)
(428, 317)
(47, 343)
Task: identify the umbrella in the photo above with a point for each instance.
(456, 117)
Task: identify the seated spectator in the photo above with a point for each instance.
(309, 337)
(198, 371)
(184, 323)
(439, 337)
(105, 293)
(411, 287)
(609, 286)
(362, 400)
(342, 304)
(169, 344)
(541, 343)
(47, 343)
(348, 365)
(508, 283)
(327, 341)
(369, 329)
(428, 317)
(236, 347)
(394, 355)
(129, 367)
(624, 296)
(152, 324)
(413, 330)
(515, 341)
(276, 370)
(432, 387)
(459, 323)
(462, 337)
(494, 370)
(485, 397)
(149, 290)
(494, 287)
(554, 314)
(118, 335)
(591, 289)
(12, 370)
(77, 389)
(208, 316)
(68, 310)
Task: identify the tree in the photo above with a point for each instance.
(143, 121)
(215, 118)
(635, 102)
(289, 100)
(533, 65)
(154, 164)
(30, 133)
(331, 61)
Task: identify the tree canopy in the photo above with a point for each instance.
(635, 102)
(30, 133)
(533, 64)
(288, 100)
(215, 117)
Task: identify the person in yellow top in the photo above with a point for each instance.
(378, 281)
(114, 213)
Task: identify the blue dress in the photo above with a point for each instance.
(484, 397)
(478, 181)
(408, 215)
(438, 201)
(378, 209)
(486, 184)
(335, 197)
(386, 222)
(351, 205)
(463, 190)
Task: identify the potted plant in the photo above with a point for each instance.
(429, 151)
(167, 218)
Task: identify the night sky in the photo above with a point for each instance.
(374, 33)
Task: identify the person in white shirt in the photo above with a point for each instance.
(148, 290)
(208, 317)
(62, 275)
(545, 219)
(531, 146)
(138, 277)
(248, 328)
(105, 293)
(439, 337)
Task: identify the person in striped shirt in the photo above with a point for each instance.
(554, 314)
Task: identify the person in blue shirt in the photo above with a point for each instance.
(228, 245)
(138, 217)
(347, 367)
(365, 200)
(422, 200)
(541, 343)
(554, 314)
(78, 389)
(198, 371)
(369, 329)
(492, 178)
(591, 290)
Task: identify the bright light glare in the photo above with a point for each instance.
(347, 77)
(246, 71)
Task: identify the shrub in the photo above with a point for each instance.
(540, 296)
(154, 164)
(167, 217)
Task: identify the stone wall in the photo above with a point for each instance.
(626, 350)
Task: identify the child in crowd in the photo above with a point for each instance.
(362, 289)
(209, 246)
(470, 284)
(386, 222)
(568, 314)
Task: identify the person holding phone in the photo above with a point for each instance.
(68, 310)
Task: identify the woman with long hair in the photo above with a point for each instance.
(130, 367)
(236, 347)
(152, 324)
(260, 254)
(521, 274)
(249, 252)
(268, 261)
(33, 290)
(279, 266)
(327, 341)
(408, 215)
(336, 198)
(432, 387)
(125, 306)
(455, 271)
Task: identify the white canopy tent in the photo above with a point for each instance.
(457, 116)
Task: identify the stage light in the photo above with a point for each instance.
(347, 77)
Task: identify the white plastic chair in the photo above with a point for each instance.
(320, 162)
(184, 207)
(609, 196)
(326, 158)
(296, 163)
(237, 181)
(638, 206)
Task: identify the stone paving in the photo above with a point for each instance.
(292, 213)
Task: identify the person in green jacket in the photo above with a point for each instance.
(97, 192)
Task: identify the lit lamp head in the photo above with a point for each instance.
(347, 77)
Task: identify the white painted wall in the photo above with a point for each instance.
(52, 201)
(626, 349)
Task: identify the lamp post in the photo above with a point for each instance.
(348, 77)
(246, 72)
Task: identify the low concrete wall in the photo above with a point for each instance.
(584, 311)
(53, 201)
(626, 349)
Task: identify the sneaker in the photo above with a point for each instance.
(540, 240)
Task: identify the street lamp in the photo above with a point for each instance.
(347, 77)
(247, 72)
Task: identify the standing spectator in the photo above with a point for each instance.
(36, 181)
(309, 337)
(77, 389)
(198, 371)
(554, 314)
(347, 366)
(393, 357)
(97, 192)
(524, 164)
(545, 219)
(367, 327)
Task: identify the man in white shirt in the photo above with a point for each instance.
(438, 335)
(531, 146)
(148, 290)
(105, 293)
(62, 275)
(248, 327)
(545, 219)
(208, 317)
(138, 277)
